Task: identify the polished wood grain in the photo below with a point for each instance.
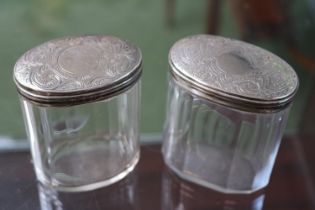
(152, 186)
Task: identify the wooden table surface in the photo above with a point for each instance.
(153, 187)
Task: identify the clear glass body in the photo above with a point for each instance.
(84, 147)
(225, 149)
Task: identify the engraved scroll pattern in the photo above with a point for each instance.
(270, 77)
(40, 68)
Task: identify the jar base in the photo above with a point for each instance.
(193, 176)
(209, 185)
(96, 185)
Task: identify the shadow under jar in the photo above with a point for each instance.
(80, 98)
(228, 103)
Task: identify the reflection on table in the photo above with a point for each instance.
(153, 186)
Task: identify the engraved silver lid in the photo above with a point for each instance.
(233, 73)
(75, 70)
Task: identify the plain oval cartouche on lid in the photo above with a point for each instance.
(75, 70)
(233, 73)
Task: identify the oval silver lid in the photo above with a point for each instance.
(74, 70)
(233, 73)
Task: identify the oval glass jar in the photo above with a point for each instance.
(228, 103)
(80, 97)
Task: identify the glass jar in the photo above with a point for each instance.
(80, 97)
(228, 103)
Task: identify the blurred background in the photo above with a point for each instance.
(285, 27)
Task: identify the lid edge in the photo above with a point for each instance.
(81, 98)
(232, 100)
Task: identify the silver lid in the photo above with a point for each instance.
(74, 70)
(233, 73)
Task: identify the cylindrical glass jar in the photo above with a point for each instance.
(81, 98)
(227, 108)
